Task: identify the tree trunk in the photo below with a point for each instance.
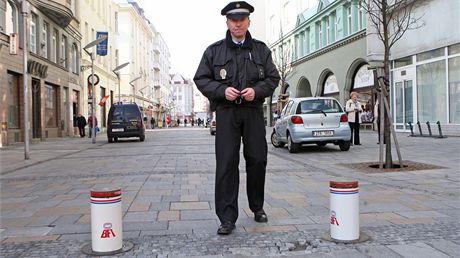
(386, 63)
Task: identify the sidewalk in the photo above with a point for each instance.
(168, 182)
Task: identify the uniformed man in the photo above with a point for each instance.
(236, 74)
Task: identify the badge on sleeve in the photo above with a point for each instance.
(223, 73)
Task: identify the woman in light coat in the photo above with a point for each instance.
(354, 109)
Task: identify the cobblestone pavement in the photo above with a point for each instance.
(168, 192)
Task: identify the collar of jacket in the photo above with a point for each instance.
(247, 41)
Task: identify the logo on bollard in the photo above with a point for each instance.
(334, 219)
(107, 230)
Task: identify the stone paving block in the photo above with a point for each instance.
(377, 251)
(192, 224)
(86, 209)
(85, 219)
(26, 231)
(189, 206)
(412, 221)
(86, 237)
(349, 253)
(15, 222)
(189, 198)
(445, 246)
(421, 214)
(71, 229)
(139, 206)
(67, 219)
(30, 239)
(165, 232)
(417, 250)
(134, 226)
(147, 216)
(197, 214)
(269, 228)
(168, 215)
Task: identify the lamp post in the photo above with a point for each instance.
(24, 10)
(115, 71)
(132, 85)
(93, 111)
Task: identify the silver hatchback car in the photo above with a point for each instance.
(317, 120)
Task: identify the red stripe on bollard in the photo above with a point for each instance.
(342, 185)
(106, 194)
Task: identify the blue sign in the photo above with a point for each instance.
(102, 47)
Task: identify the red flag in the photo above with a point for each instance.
(102, 102)
(168, 120)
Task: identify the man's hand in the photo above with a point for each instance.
(231, 93)
(248, 94)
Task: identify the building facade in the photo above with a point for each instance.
(59, 68)
(182, 92)
(55, 92)
(332, 50)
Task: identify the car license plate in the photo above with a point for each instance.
(323, 133)
(118, 129)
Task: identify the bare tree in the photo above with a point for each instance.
(282, 60)
(390, 19)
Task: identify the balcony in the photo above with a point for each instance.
(57, 10)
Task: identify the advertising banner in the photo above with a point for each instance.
(102, 47)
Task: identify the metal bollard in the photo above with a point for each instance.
(106, 225)
(411, 129)
(429, 128)
(419, 128)
(344, 210)
(439, 129)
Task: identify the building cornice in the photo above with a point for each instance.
(358, 35)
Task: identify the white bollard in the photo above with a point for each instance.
(106, 225)
(344, 206)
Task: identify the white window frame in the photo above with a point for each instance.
(328, 31)
(320, 35)
(33, 34)
(45, 40)
(349, 20)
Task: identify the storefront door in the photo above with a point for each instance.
(403, 110)
(36, 109)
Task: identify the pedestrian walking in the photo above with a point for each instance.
(152, 122)
(354, 109)
(81, 123)
(236, 74)
(90, 125)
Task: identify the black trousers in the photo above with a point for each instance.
(234, 124)
(354, 132)
(81, 130)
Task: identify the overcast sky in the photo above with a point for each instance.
(188, 27)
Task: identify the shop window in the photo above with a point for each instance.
(431, 92)
(454, 90)
(51, 106)
(454, 49)
(364, 77)
(402, 62)
(330, 87)
(430, 54)
(13, 101)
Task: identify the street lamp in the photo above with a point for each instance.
(118, 68)
(132, 85)
(93, 56)
(24, 11)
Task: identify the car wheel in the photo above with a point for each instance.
(292, 147)
(344, 145)
(212, 133)
(110, 139)
(275, 142)
(142, 138)
(115, 139)
(321, 144)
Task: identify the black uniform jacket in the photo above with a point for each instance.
(225, 64)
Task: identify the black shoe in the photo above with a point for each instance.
(260, 216)
(226, 228)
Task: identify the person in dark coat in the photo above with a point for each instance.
(90, 125)
(236, 74)
(152, 122)
(81, 123)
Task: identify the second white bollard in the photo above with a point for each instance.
(344, 210)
